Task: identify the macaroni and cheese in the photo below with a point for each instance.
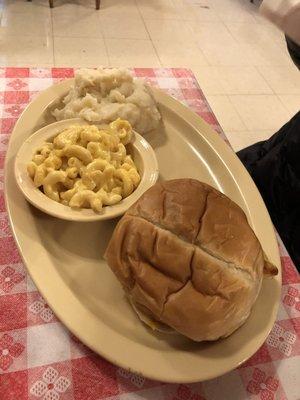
(86, 166)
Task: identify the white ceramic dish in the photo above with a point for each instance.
(139, 148)
(65, 259)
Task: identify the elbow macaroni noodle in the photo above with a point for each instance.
(86, 166)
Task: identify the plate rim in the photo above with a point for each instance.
(218, 144)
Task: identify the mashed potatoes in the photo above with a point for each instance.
(103, 95)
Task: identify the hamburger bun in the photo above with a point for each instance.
(188, 260)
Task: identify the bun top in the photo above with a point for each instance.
(187, 257)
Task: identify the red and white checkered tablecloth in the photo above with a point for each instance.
(41, 359)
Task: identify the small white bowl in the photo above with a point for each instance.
(141, 151)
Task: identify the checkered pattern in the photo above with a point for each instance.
(41, 359)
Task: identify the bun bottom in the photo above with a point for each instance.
(150, 322)
(163, 328)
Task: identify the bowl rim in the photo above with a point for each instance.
(39, 200)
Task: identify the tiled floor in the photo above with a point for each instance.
(239, 59)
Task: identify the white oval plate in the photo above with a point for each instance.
(65, 259)
(142, 154)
